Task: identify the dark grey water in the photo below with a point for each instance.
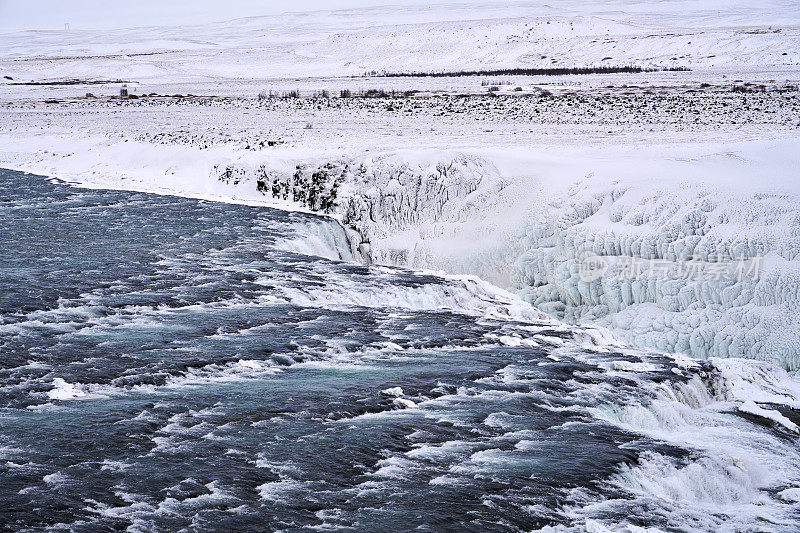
(171, 364)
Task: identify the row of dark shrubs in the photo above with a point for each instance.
(551, 71)
(67, 82)
(747, 87)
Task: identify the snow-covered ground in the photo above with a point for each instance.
(681, 187)
(711, 36)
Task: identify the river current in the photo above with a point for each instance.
(178, 364)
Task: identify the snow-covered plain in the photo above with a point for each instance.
(715, 35)
(670, 167)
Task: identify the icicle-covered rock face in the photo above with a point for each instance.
(393, 203)
(681, 265)
(681, 271)
(689, 268)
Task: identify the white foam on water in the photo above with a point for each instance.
(115, 466)
(65, 391)
(441, 452)
(284, 491)
(404, 403)
(216, 495)
(628, 366)
(139, 513)
(56, 478)
(735, 467)
(243, 369)
(465, 294)
(395, 467)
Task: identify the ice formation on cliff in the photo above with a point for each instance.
(456, 211)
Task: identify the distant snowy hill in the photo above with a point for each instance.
(763, 36)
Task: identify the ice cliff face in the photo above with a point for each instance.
(681, 266)
(391, 203)
(688, 272)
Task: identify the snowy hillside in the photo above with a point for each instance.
(699, 35)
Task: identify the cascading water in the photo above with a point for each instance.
(171, 363)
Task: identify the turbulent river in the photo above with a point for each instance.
(170, 363)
